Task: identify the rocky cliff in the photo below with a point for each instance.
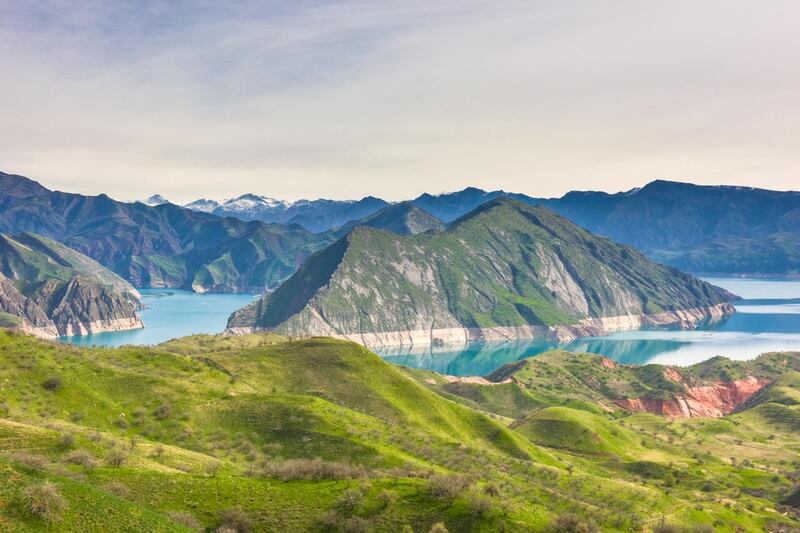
(50, 290)
(505, 270)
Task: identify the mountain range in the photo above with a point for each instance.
(726, 230)
(163, 245)
(50, 290)
(504, 270)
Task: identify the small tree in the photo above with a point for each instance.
(44, 500)
(448, 487)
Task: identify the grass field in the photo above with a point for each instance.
(265, 433)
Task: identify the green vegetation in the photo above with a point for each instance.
(265, 433)
(505, 264)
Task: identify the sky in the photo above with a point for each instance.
(307, 99)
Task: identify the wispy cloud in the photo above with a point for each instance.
(342, 99)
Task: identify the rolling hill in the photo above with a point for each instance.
(264, 433)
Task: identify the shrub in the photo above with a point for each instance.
(349, 501)
(44, 500)
(53, 383)
(234, 519)
(30, 460)
(67, 440)
(448, 487)
(81, 458)
(117, 488)
(664, 527)
(185, 518)
(438, 527)
(330, 520)
(116, 458)
(356, 524)
(569, 523)
(480, 504)
(163, 411)
(314, 469)
(387, 497)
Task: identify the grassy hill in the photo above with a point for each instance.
(265, 433)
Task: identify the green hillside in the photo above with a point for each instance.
(506, 264)
(264, 433)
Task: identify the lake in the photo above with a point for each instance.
(767, 319)
(172, 313)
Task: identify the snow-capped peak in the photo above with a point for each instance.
(203, 204)
(156, 199)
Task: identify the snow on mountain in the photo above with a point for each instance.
(156, 199)
(203, 204)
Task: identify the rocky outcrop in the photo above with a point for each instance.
(49, 290)
(76, 307)
(706, 401)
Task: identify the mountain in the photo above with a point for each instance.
(159, 246)
(266, 433)
(504, 270)
(403, 218)
(313, 215)
(154, 200)
(712, 229)
(450, 206)
(51, 290)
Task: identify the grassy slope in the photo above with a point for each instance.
(200, 417)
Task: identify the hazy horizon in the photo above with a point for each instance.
(392, 99)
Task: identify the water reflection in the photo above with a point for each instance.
(769, 320)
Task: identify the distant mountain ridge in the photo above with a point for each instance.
(314, 215)
(159, 246)
(504, 270)
(50, 290)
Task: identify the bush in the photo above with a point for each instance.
(387, 497)
(438, 527)
(185, 518)
(81, 458)
(67, 440)
(349, 501)
(356, 524)
(569, 523)
(116, 458)
(448, 487)
(235, 519)
(314, 470)
(163, 411)
(32, 461)
(44, 500)
(53, 383)
(663, 527)
(480, 504)
(117, 489)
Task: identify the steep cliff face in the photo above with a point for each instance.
(506, 270)
(50, 290)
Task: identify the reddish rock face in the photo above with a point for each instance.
(708, 401)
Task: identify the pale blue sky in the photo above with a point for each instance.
(343, 99)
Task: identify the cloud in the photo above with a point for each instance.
(308, 99)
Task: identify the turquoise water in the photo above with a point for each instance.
(172, 313)
(767, 319)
